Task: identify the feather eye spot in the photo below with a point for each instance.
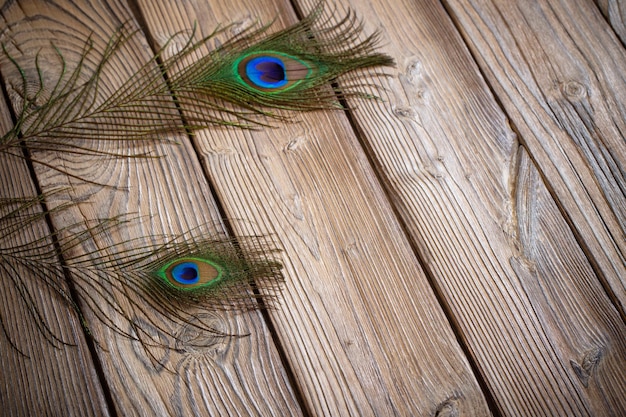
(267, 72)
(191, 273)
(186, 273)
(271, 71)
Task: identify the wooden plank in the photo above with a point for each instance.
(527, 302)
(204, 374)
(559, 72)
(39, 377)
(359, 322)
(570, 303)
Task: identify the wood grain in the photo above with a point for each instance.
(170, 195)
(455, 170)
(615, 12)
(37, 377)
(572, 307)
(559, 72)
(359, 322)
(454, 249)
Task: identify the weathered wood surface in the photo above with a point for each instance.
(37, 377)
(457, 249)
(457, 174)
(560, 79)
(615, 12)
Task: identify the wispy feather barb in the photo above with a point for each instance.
(28, 250)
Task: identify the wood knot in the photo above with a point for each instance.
(414, 72)
(448, 408)
(351, 250)
(573, 90)
(220, 151)
(589, 362)
(414, 80)
(241, 25)
(294, 144)
(404, 112)
(206, 333)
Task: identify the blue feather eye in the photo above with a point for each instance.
(190, 273)
(186, 273)
(271, 71)
(267, 72)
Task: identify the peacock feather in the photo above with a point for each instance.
(255, 73)
(288, 70)
(179, 280)
(134, 289)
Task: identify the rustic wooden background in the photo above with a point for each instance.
(456, 249)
